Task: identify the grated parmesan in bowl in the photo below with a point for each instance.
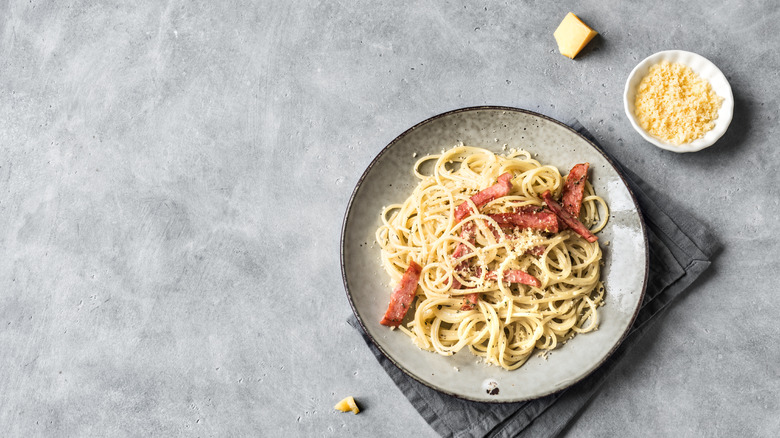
(678, 101)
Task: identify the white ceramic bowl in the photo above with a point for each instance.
(706, 70)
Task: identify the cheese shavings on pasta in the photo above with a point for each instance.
(550, 288)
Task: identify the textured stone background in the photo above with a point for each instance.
(173, 178)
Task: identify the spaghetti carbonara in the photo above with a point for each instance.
(488, 261)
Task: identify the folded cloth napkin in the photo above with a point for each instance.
(680, 250)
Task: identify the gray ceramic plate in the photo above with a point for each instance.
(389, 179)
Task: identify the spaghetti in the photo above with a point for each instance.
(462, 231)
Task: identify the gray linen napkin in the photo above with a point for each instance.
(680, 250)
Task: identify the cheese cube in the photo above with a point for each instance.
(572, 35)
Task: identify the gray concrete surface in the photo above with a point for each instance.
(173, 178)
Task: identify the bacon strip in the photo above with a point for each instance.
(512, 276)
(568, 219)
(516, 276)
(497, 190)
(467, 232)
(574, 189)
(544, 220)
(537, 250)
(402, 296)
(469, 301)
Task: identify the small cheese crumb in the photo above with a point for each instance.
(346, 405)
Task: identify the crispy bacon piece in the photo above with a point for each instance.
(571, 221)
(516, 276)
(497, 190)
(512, 276)
(467, 232)
(537, 250)
(402, 296)
(574, 189)
(544, 220)
(469, 301)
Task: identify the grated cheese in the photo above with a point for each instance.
(524, 240)
(676, 105)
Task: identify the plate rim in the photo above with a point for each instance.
(386, 148)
